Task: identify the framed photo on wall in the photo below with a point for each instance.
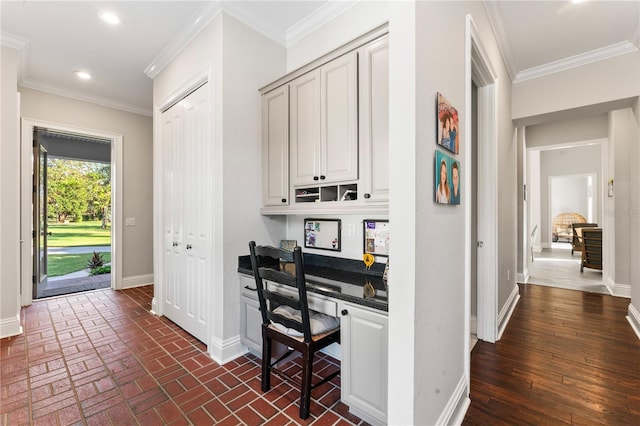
(448, 135)
(447, 179)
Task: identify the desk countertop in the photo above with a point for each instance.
(344, 279)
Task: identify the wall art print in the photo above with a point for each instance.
(447, 179)
(448, 135)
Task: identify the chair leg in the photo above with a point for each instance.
(307, 374)
(266, 362)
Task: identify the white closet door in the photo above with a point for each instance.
(173, 123)
(197, 213)
(187, 212)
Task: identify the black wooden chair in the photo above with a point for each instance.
(288, 320)
(592, 249)
(576, 244)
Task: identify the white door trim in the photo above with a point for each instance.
(26, 172)
(478, 69)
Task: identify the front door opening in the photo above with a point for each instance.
(72, 213)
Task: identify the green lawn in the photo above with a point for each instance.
(61, 264)
(78, 234)
(75, 235)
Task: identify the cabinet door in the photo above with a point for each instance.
(304, 112)
(251, 323)
(275, 147)
(364, 337)
(374, 120)
(339, 136)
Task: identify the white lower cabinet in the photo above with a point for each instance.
(364, 335)
(364, 366)
(250, 318)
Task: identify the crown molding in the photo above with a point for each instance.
(315, 20)
(596, 55)
(198, 22)
(248, 17)
(22, 46)
(84, 97)
(13, 41)
(497, 25)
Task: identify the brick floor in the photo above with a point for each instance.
(101, 358)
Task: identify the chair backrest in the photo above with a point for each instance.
(575, 227)
(592, 251)
(577, 231)
(265, 262)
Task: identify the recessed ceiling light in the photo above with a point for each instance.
(110, 18)
(83, 75)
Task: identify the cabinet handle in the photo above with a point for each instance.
(175, 244)
(344, 312)
(367, 195)
(284, 200)
(322, 177)
(189, 246)
(315, 178)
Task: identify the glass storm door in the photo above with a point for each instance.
(39, 217)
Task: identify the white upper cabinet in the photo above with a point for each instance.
(305, 127)
(324, 134)
(275, 147)
(374, 120)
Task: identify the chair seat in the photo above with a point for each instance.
(321, 324)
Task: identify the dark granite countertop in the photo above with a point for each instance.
(339, 278)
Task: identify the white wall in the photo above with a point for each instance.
(595, 83)
(580, 160)
(568, 131)
(137, 131)
(434, 329)
(9, 195)
(242, 61)
(635, 222)
(351, 246)
(624, 137)
(362, 17)
(571, 194)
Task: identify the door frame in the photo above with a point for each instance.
(26, 213)
(478, 68)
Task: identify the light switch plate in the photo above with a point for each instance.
(130, 221)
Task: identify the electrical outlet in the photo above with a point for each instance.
(352, 230)
(508, 274)
(130, 221)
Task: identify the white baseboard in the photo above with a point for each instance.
(634, 319)
(507, 310)
(10, 327)
(617, 289)
(523, 278)
(223, 351)
(456, 408)
(137, 281)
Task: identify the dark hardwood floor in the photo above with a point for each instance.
(566, 357)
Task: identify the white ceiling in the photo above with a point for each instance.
(60, 37)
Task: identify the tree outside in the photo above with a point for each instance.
(79, 190)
